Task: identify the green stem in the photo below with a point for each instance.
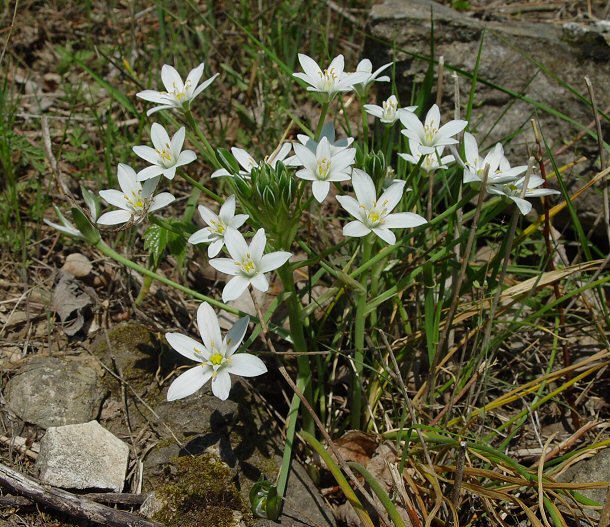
(359, 329)
(209, 151)
(295, 317)
(321, 121)
(365, 129)
(202, 188)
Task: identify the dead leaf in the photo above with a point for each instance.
(357, 446)
(70, 302)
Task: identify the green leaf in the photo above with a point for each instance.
(89, 232)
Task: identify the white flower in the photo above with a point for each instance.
(167, 154)
(365, 66)
(216, 356)
(323, 166)
(217, 225)
(178, 95)
(330, 81)
(514, 190)
(373, 215)
(432, 162)
(134, 200)
(499, 168)
(430, 134)
(389, 113)
(328, 131)
(247, 162)
(247, 264)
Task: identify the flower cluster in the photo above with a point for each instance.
(323, 160)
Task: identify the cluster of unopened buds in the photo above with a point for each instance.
(323, 161)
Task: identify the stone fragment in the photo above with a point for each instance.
(78, 265)
(52, 391)
(83, 456)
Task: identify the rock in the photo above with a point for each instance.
(535, 60)
(78, 265)
(83, 456)
(594, 469)
(52, 391)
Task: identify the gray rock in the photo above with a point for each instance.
(51, 391)
(534, 60)
(83, 456)
(594, 469)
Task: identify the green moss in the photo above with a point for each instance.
(201, 493)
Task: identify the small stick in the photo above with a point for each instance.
(459, 475)
(68, 503)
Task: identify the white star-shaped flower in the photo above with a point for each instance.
(166, 156)
(324, 166)
(366, 66)
(374, 215)
(513, 191)
(432, 162)
(178, 94)
(216, 356)
(214, 233)
(134, 200)
(430, 134)
(389, 113)
(247, 162)
(330, 81)
(247, 264)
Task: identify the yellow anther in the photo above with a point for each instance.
(323, 167)
(216, 359)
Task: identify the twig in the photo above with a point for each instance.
(459, 474)
(68, 503)
(48, 147)
(21, 445)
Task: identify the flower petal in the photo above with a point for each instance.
(350, 205)
(152, 96)
(150, 172)
(227, 210)
(204, 86)
(177, 142)
(235, 335)
(186, 157)
(215, 247)
(310, 67)
(236, 245)
(201, 236)
(171, 79)
(207, 321)
(189, 382)
(159, 137)
(257, 245)
(272, 261)
(128, 180)
(385, 234)
(392, 195)
(364, 188)
(320, 190)
(147, 153)
(355, 229)
(225, 265)
(403, 220)
(114, 217)
(259, 281)
(114, 197)
(161, 200)
(234, 288)
(246, 365)
(221, 385)
(186, 346)
(194, 76)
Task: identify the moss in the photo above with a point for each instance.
(201, 493)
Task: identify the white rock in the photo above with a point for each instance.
(83, 456)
